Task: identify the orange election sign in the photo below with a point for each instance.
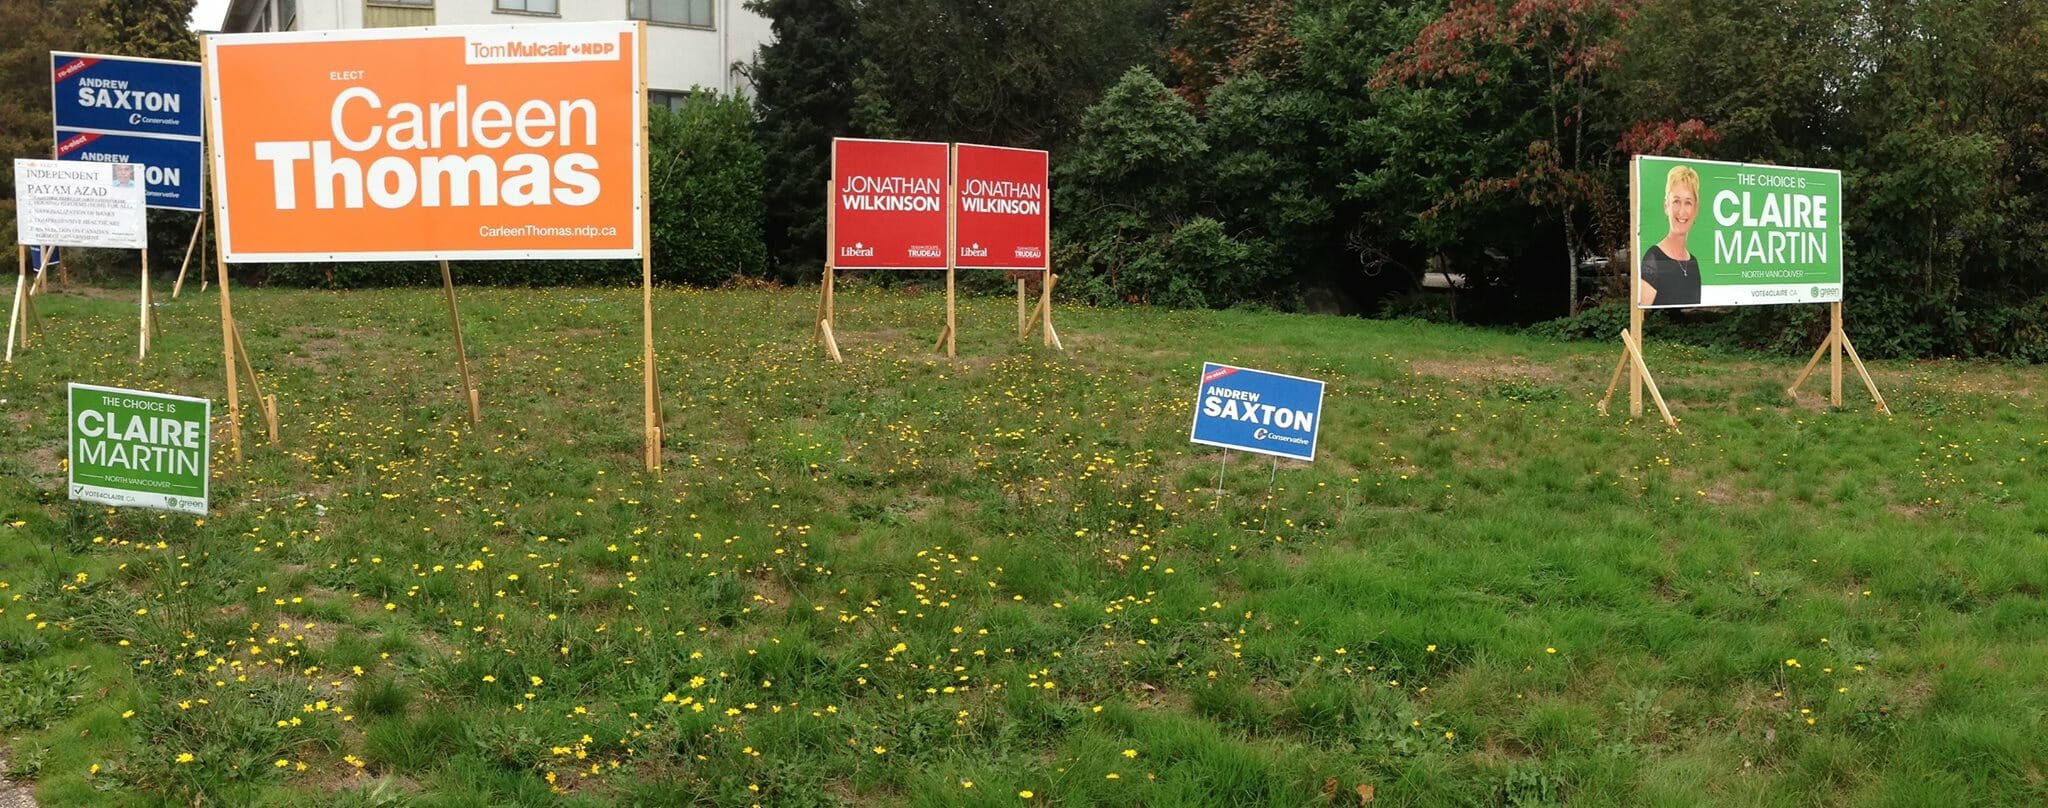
(501, 141)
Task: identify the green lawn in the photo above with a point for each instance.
(1009, 580)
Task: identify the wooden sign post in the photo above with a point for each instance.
(1834, 344)
(598, 208)
(1002, 219)
(1733, 234)
(651, 420)
(887, 208)
(952, 250)
(476, 413)
(18, 310)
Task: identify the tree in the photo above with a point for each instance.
(157, 29)
(1126, 189)
(1215, 41)
(1009, 73)
(804, 81)
(34, 29)
(1263, 180)
(1552, 54)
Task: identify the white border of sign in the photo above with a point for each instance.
(219, 157)
(115, 496)
(1322, 388)
(1044, 259)
(136, 201)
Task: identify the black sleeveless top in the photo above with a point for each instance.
(1677, 282)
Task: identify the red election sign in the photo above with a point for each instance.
(1003, 207)
(888, 205)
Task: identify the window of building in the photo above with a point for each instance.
(397, 13)
(529, 6)
(671, 100)
(695, 13)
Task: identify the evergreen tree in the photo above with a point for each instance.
(34, 28)
(804, 83)
(157, 29)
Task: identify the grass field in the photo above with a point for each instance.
(1010, 580)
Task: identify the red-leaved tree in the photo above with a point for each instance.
(1553, 54)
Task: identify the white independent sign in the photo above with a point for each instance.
(77, 204)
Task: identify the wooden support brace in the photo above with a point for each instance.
(142, 306)
(1643, 372)
(1031, 322)
(1614, 380)
(35, 318)
(831, 344)
(14, 310)
(1825, 343)
(198, 225)
(267, 402)
(1868, 383)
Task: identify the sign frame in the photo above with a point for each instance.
(190, 197)
(1040, 225)
(128, 497)
(135, 238)
(837, 253)
(1210, 371)
(1761, 294)
(635, 88)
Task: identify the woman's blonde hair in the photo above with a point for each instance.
(1682, 176)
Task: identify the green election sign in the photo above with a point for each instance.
(1735, 234)
(132, 448)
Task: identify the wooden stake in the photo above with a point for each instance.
(1835, 344)
(825, 335)
(1052, 337)
(1635, 284)
(948, 337)
(476, 413)
(1835, 354)
(142, 338)
(228, 337)
(1023, 323)
(1031, 321)
(651, 418)
(198, 224)
(825, 299)
(156, 322)
(952, 241)
(14, 312)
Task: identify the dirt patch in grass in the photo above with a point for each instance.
(45, 458)
(313, 346)
(1487, 370)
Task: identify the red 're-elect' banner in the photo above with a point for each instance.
(1003, 206)
(888, 204)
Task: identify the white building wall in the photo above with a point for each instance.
(328, 15)
(678, 57)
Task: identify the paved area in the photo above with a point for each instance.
(13, 794)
